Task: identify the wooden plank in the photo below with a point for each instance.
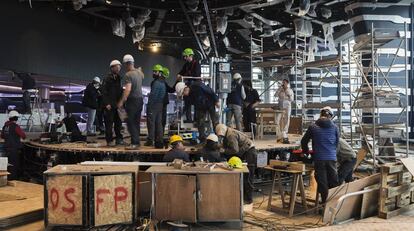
(369, 206)
(387, 215)
(296, 166)
(409, 164)
(172, 170)
(282, 62)
(113, 199)
(86, 169)
(175, 197)
(322, 63)
(362, 153)
(351, 207)
(219, 197)
(398, 190)
(144, 192)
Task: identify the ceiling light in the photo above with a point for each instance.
(154, 49)
(108, 1)
(172, 10)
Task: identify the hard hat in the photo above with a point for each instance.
(97, 79)
(128, 58)
(235, 162)
(327, 110)
(212, 137)
(237, 76)
(114, 62)
(179, 88)
(221, 129)
(13, 114)
(175, 138)
(188, 52)
(157, 67)
(165, 72)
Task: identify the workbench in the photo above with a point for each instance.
(197, 196)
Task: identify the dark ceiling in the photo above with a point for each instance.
(170, 24)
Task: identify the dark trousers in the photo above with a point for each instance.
(99, 121)
(187, 108)
(155, 129)
(251, 157)
(249, 117)
(326, 177)
(133, 108)
(201, 121)
(15, 159)
(112, 121)
(345, 170)
(26, 102)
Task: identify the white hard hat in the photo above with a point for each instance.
(237, 76)
(114, 62)
(13, 114)
(328, 110)
(179, 88)
(97, 79)
(128, 58)
(221, 129)
(212, 137)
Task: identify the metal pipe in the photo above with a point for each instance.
(210, 27)
(192, 29)
(407, 143)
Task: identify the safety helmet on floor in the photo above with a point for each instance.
(157, 67)
(212, 137)
(179, 88)
(13, 114)
(188, 52)
(221, 129)
(97, 79)
(128, 58)
(327, 111)
(175, 138)
(235, 162)
(165, 72)
(114, 62)
(237, 76)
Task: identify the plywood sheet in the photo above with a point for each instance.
(92, 169)
(65, 204)
(409, 164)
(360, 156)
(351, 207)
(219, 198)
(175, 197)
(113, 199)
(369, 206)
(144, 193)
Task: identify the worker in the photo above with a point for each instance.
(166, 74)
(191, 68)
(236, 143)
(90, 101)
(285, 98)
(12, 135)
(111, 94)
(99, 121)
(177, 150)
(28, 86)
(132, 98)
(71, 126)
(235, 101)
(325, 137)
(205, 101)
(211, 150)
(250, 103)
(155, 107)
(346, 158)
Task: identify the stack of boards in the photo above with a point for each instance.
(20, 203)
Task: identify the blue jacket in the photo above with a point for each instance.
(202, 96)
(158, 92)
(235, 97)
(325, 137)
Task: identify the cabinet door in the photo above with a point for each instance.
(175, 197)
(219, 197)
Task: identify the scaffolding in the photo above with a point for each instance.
(377, 90)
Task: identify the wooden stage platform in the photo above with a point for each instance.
(96, 145)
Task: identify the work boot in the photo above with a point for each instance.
(119, 142)
(110, 144)
(286, 141)
(132, 147)
(148, 143)
(159, 145)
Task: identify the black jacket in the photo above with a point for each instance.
(192, 69)
(176, 154)
(111, 90)
(202, 96)
(90, 97)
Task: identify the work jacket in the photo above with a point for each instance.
(11, 133)
(111, 90)
(90, 97)
(236, 142)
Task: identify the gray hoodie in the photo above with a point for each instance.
(344, 151)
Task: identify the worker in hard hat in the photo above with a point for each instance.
(211, 150)
(325, 137)
(12, 135)
(111, 94)
(177, 150)
(346, 158)
(191, 68)
(235, 102)
(249, 108)
(285, 97)
(155, 107)
(205, 100)
(132, 99)
(165, 73)
(236, 143)
(90, 101)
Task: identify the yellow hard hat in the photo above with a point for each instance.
(235, 162)
(175, 138)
